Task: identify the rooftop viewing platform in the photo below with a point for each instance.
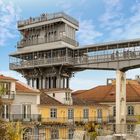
(47, 17)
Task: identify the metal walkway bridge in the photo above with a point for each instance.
(122, 55)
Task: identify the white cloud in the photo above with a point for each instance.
(112, 15)
(87, 32)
(117, 27)
(9, 15)
(66, 6)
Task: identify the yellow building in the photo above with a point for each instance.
(106, 94)
(59, 120)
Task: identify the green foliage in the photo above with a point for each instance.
(3, 131)
(2, 90)
(14, 131)
(11, 130)
(92, 135)
(91, 130)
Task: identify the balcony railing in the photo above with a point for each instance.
(30, 42)
(47, 17)
(81, 60)
(129, 118)
(22, 117)
(41, 62)
(9, 96)
(76, 120)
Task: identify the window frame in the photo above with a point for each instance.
(53, 113)
(85, 113)
(70, 113)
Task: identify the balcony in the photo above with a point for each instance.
(76, 120)
(30, 42)
(41, 62)
(9, 96)
(22, 117)
(47, 17)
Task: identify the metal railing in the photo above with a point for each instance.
(75, 120)
(82, 60)
(41, 62)
(10, 95)
(30, 42)
(22, 117)
(47, 17)
(129, 118)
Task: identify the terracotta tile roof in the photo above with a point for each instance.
(107, 93)
(49, 101)
(21, 87)
(2, 77)
(78, 92)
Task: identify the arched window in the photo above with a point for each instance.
(130, 110)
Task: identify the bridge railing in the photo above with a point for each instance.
(107, 57)
(85, 59)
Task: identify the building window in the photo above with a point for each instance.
(114, 110)
(53, 113)
(26, 109)
(130, 128)
(130, 110)
(70, 113)
(54, 134)
(99, 113)
(70, 133)
(5, 111)
(67, 95)
(85, 113)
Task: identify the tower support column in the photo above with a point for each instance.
(120, 101)
(35, 83)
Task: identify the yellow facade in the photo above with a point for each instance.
(62, 123)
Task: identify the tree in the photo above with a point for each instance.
(14, 130)
(8, 130)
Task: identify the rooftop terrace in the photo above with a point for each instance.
(47, 17)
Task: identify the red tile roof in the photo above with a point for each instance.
(49, 101)
(107, 93)
(2, 77)
(21, 87)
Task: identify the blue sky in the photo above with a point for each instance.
(100, 21)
